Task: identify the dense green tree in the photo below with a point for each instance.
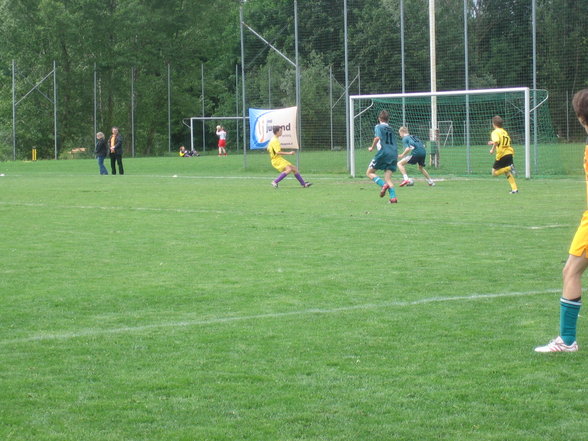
(112, 38)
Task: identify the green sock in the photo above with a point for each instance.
(568, 317)
(379, 181)
(391, 192)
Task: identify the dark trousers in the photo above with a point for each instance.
(114, 159)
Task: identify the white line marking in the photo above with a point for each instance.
(91, 332)
(187, 210)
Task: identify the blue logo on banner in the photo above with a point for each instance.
(260, 127)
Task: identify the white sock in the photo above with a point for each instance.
(405, 177)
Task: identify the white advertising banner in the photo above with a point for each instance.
(262, 122)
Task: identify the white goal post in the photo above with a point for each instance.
(360, 106)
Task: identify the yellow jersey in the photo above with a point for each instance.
(274, 147)
(579, 245)
(501, 139)
(278, 161)
(586, 168)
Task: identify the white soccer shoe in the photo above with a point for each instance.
(557, 345)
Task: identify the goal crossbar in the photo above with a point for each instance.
(523, 90)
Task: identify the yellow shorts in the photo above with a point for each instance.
(280, 164)
(579, 244)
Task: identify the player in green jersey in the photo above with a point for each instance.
(386, 157)
(414, 153)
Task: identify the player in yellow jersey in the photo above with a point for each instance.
(500, 142)
(279, 162)
(571, 298)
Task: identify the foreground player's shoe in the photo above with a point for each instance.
(393, 201)
(274, 184)
(431, 184)
(384, 190)
(514, 192)
(405, 182)
(308, 184)
(557, 345)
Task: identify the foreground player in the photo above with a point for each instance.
(222, 140)
(504, 153)
(571, 299)
(279, 163)
(386, 157)
(414, 148)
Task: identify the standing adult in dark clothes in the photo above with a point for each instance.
(101, 151)
(116, 151)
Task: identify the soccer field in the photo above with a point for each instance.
(209, 306)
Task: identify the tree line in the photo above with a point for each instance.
(110, 40)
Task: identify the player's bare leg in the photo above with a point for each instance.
(425, 173)
(402, 169)
(572, 276)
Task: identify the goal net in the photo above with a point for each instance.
(202, 135)
(456, 126)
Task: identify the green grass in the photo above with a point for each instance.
(211, 307)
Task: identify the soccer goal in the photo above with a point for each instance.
(455, 125)
(204, 127)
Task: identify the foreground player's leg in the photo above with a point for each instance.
(569, 308)
(568, 318)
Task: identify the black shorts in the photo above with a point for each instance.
(505, 161)
(417, 159)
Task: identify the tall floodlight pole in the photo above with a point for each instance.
(433, 57)
(133, 111)
(402, 66)
(467, 83)
(203, 126)
(237, 104)
(347, 111)
(13, 110)
(298, 95)
(243, 88)
(55, 105)
(168, 107)
(534, 27)
(95, 112)
(331, 103)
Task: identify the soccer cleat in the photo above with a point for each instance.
(307, 184)
(385, 188)
(557, 345)
(274, 184)
(513, 192)
(431, 184)
(405, 182)
(393, 201)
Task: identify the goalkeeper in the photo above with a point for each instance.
(414, 153)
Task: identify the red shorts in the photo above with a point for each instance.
(222, 142)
